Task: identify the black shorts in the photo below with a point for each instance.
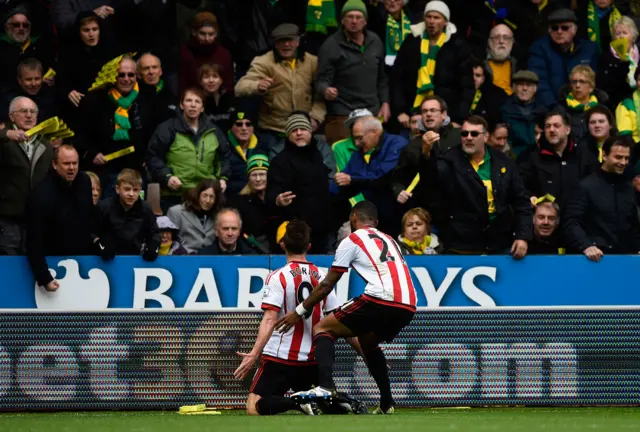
(366, 314)
(276, 379)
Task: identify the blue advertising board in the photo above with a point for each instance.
(213, 283)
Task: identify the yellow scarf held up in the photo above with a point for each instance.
(424, 86)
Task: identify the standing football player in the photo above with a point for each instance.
(386, 307)
(288, 360)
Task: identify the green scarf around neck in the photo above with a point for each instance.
(397, 31)
(321, 16)
(121, 116)
(593, 22)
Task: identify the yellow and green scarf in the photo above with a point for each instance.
(396, 33)
(428, 55)
(417, 248)
(574, 105)
(543, 4)
(23, 45)
(593, 22)
(636, 107)
(321, 16)
(160, 86)
(121, 116)
(253, 142)
(476, 99)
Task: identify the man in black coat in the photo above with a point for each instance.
(601, 217)
(480, 206)
(60, 214)
(452, 79)
(558, 165)
(229, 239)
(298, 181)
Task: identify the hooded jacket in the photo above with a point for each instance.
(175, 150)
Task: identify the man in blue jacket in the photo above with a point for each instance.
(553, 56)
(369, 170)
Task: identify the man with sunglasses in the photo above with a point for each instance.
(553, 56)
(479, 204)
(18, 43)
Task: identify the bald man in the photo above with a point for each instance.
(60, 215)
(24, 162)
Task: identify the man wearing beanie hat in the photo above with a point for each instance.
(351, 72)
(433, 60)
(298, 181)
(18, 43)
(554, 55)
(283, 78)
(244, 144)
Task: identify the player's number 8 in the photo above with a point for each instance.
(302, 292)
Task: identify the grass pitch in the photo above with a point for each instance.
(405, 420)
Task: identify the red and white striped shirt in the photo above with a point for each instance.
(378, 260)
(285, 289)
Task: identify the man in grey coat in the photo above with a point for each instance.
(351, 72)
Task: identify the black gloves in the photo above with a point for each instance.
(150, 250)
(105, 248)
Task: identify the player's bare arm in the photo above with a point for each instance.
(317, 295)
(264, 333)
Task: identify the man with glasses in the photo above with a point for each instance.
(116, 124)
(480, 206)
(24, 163)
(244, 144)
(419, 155)
(554, 56)
(370, 168)
(500, 64)
(17, 43)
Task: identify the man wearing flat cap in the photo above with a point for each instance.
(18, 42)
(553, 56)
(522, 110)
(284, 78)
(298, 182)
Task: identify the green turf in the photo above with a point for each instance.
(466, 420)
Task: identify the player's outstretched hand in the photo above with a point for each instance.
(245, 367)
(287, 321)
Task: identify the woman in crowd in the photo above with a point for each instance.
(617, 66)
(250, 202)
(169, 242)
(499, 139)
(601, 125)
(204, 47)
(416, 237)
(194, 217)
(218, 103)
(96, 187)
(580, 95)
(187, 149)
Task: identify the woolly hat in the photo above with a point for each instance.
(354, 5)
(298, 121)
(257, 162)
(440, 7)
(18, 10)
(205, 19)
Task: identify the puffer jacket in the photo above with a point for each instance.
(292, 89)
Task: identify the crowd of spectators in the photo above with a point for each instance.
(476, 127)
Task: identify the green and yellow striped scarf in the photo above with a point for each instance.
(396, 33)
(593, 22)
(121, 116)
(160, 86)
(321, 15)
(476, 99)
(424, 86)
(574, 105)
(253, 142)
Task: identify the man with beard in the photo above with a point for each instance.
(499, 63)
(546, 220)
(602, 215)
(556, 167)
